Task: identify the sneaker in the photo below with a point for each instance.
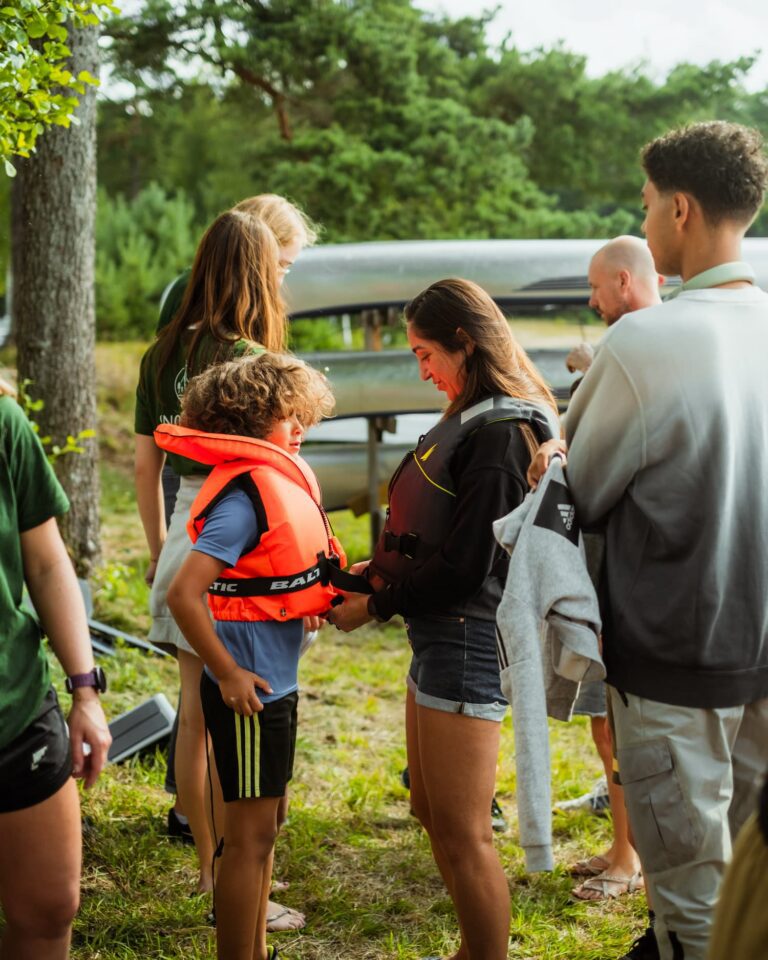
(178, 830)
(498, 821)
(597, 800)
(644, 948)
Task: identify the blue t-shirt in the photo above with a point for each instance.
(266, 647)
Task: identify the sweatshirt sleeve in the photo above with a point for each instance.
(606, 436)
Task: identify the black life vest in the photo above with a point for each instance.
(421, 491)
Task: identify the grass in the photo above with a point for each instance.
(357, 862)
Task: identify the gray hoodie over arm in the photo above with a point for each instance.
(548, 626)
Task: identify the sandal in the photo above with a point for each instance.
(607, 887)
(285, 920)
(591, 867)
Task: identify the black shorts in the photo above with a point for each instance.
(38, 762)
(254, 755)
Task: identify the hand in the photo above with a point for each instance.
(149, 576)
(351, 614)
(541, 460)
(238, 691)
(88, 725)
(373, 578)
(580, 358)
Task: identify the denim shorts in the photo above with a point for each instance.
(455, 667)
(591, 701)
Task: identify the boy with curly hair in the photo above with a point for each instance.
(263, 552)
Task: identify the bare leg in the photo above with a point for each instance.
(40, 843)
(454, 758)
(242, 887)
(191, 764)
(621, 856)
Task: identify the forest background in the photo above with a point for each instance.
(382, 121)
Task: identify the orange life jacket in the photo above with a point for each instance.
(288, 574)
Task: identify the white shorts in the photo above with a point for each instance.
(175, 549)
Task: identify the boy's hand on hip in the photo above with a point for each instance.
(238, 691)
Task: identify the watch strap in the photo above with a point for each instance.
(94, 678)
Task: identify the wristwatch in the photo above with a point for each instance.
(95, 678)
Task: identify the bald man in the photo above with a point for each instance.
(622, 278)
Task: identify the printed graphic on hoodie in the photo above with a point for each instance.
(558, 513)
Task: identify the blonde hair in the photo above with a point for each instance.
(458, 313)
(233, 293)
(286, 220)
(248, 396)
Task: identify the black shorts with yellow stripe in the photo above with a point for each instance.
(254, 755)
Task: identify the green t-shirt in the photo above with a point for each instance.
(172, 298)
(30, 494)
(158, 400)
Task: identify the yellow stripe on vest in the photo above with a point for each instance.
(428, 478)
(428, 453)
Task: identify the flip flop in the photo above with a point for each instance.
(285, 920)
(591, 867)
(607, 887)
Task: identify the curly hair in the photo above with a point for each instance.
(723, 165)
(248, 396)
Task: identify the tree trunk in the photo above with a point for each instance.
(53, 297)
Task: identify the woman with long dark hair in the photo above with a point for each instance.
(438, 565)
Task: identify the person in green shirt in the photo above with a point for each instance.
(230, 306)
(40, 833)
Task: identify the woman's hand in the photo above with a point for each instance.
(89, 736)
(359, 568)
(351, 614)
(542, 458)
(312, 624)
(238, 691)
(149, 575)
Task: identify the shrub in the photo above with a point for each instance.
(141, 245)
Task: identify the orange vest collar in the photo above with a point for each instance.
(220, 448)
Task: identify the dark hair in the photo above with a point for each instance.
(722, 165)
(233, 292)
(454, 313)
(246, 397)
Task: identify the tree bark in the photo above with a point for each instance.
(54, 211)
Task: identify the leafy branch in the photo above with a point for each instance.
(36, 88)
(52, 450)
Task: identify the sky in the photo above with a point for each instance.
(619, 34)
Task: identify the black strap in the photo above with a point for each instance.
(407, 544)
(325, 571)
